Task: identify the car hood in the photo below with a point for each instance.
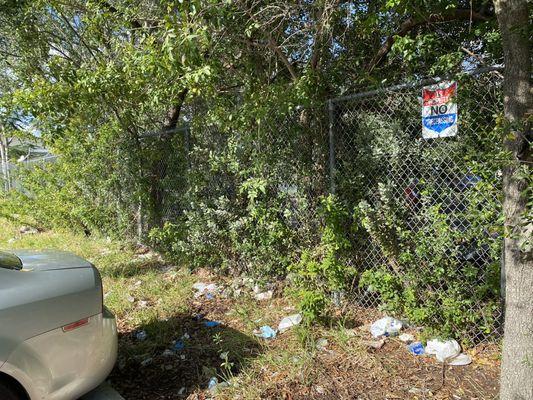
(50, 260)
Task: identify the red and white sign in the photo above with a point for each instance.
(439, 110)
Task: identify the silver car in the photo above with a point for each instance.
(57, 340)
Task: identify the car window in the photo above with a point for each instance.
(9, 261)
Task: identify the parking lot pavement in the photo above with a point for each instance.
(102, 392)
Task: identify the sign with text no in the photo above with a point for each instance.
(439, 110)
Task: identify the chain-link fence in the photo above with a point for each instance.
(425, 233)
(425, 214)
(428, 210)
(11, 172)
(253, 190)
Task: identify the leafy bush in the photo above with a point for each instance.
(440, 267)
(49, 197)
(320, 272)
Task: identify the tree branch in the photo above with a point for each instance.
(412, 23)
(173, 114)
(276, 49)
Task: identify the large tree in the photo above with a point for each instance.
(517, 366)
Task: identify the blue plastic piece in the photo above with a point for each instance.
(267, 332)
(416, 348)
(211, 324)
(179, 345)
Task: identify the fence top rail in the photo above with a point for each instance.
(178, 129)
(410, 85)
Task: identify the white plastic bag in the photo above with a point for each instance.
(203, 288)
(387, 326)
(444, 351)
(460, 360)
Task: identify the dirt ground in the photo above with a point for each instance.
(289, 366)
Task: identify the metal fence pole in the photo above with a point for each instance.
(331, 112)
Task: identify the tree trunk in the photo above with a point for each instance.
(517, 364)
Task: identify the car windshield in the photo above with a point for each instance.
(9, 261)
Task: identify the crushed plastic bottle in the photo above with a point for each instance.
(288, 322)
(212, 385)
(387, 326)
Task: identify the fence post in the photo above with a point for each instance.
(187, 145)
(331, 110)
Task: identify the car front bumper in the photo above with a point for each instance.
(60, 365)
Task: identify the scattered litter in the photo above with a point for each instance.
(444, 351)
(375, 344)
(264, 295)
(182, 356)
(321, 344)
(211, 324)
(143, 304)
(387, 326)
(256, 289)
(141, 335)
(186, 336)
(138, 283)
(320, 390)
(179, 345)
(266, 332)
(406, 337)
(182, 390)
(416, 348)
(209, 296)
(198, 317)
(288, 322)
(130, 298)
(204, 288)
(26, 230)
(212, 385)
(168, 353)
(146, 361)
(12, 240)
(460, 360)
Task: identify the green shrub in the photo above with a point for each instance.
(320, 272)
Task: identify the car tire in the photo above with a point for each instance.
(8, 392)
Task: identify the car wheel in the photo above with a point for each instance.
(8, 392)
